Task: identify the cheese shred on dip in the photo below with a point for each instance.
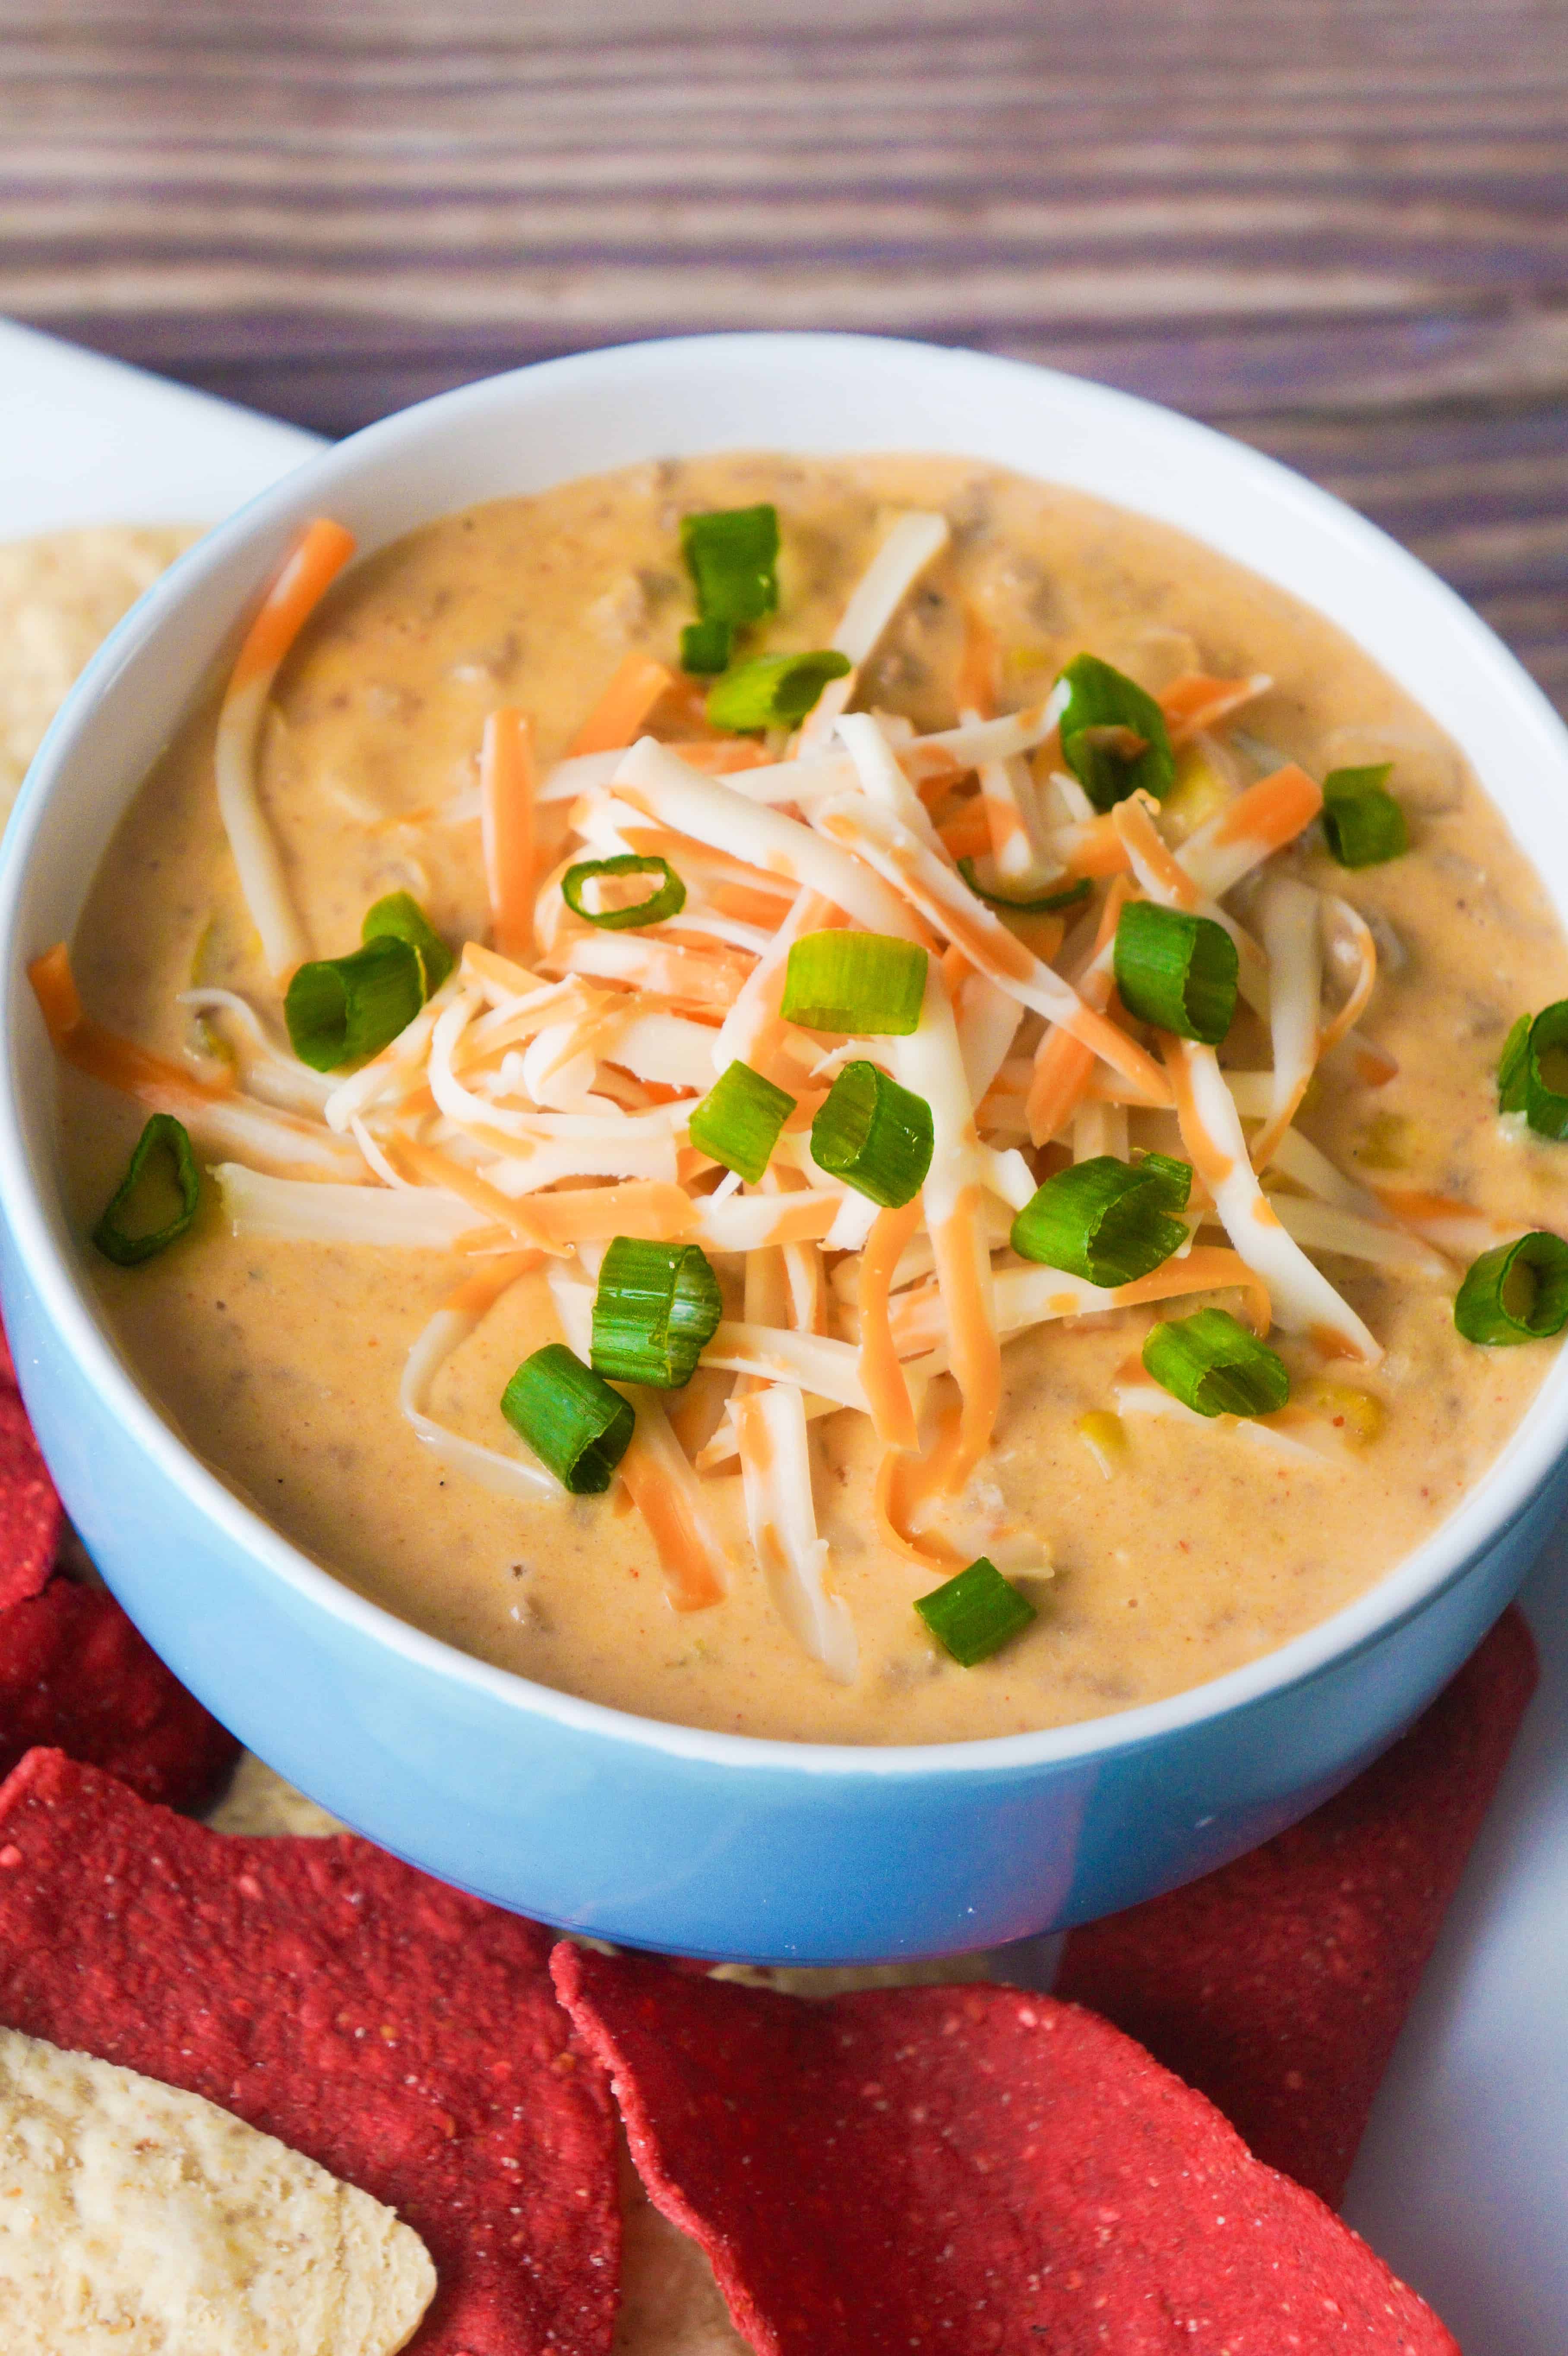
(841, 1100)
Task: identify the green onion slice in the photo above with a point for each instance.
(868, 985)
(1513, 1068)
(345, 1009)
(1362, 823)
(705, 647)
(576, 1425)
(1173, 1178)
(774, 690)
(731, 554)
(157, 1199)
(1210, 1362)
(1516, 1293)
(975, 1614)
(1177, 970)
(1546, 1072)
(667, 899)
(739, 1121)
(400, 917)
(1114, 736)
(1067, 897)
(1103, 1220)
(657, 1307)
(874, 1135)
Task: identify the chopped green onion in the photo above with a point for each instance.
(576, 1425)
(875, 1135)
(1103, 1220)
(657, 1307)
(1177, 970)
(1546, 1072)
(975, 1614)
(739, 1121)
(666, 900)
(1513, 1068)
(1173, 1178)
(774, 690)
(345, 1009)
(1114, 736)
(1067, 897)
(1210, 1362)
(705, 647)
(1516, 1293)
(157, 1200)
(400, 917)
(865, 984)
(731, 556)
(1362, 823)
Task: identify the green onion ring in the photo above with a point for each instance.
(774, 690)
(576, 1425)
(739, 1121)
(1068, 898)
(976, 1614)
(865, 985)
(1516, 1292)
(1104, 706)
(400, 917)
(1362, 823)
(1102, 1220)
(128, 1247)
(667, 900)
(1177, 970)
(1213, 1365)
(874, 1135)
(657, 1307)
(345, 1009)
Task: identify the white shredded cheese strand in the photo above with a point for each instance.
(780, 1515)
(307, 1211)
(504, 1476)
(915, 540)
(1292, 943)
(1303, 1299)
(257, 861)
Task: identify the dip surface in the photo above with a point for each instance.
(278, 1363)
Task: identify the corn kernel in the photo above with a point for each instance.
(1386, 1145)
(1104, 1436)
(1199, 790)
(1358, 1416)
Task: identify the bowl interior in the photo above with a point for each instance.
(813, 393)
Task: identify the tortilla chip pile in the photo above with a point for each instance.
(964, 2167)
(400, 2034)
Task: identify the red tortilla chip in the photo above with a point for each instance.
(30, 1512)
(75, 1674)
(1279, 1984)
(972, 2170)
(401, 2034)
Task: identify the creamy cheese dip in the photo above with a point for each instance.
(1179, 1551)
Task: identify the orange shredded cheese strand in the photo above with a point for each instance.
(507, 813)
(1063, 1064)
(1142, 838)
(619, 715)
(927, 1552)
(438, 1169)
(1195, 702)
(154, 1081)
(881, 1375)
(1273, 812)
(324, 549)
(1206, 1267)
(691, 1579)
(476, 1294)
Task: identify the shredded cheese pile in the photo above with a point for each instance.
(538, 1104)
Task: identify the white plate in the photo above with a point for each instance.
(1462, 2183)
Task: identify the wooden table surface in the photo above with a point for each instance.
(1337, 228)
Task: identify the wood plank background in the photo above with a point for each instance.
(1338, 228)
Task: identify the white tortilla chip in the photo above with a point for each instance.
(670, 2303)
(61, 595)
(140, 2220)
(259, 1802)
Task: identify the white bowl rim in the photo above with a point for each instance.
(1483, 1514)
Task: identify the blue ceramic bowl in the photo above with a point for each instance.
(705, 1843)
